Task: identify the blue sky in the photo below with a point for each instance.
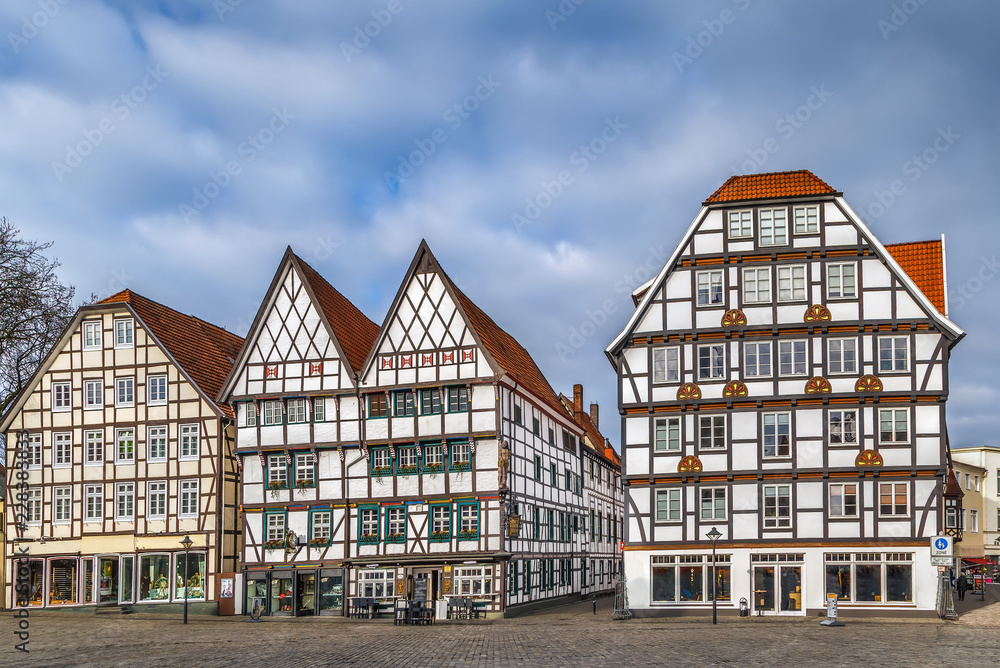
(551, 153)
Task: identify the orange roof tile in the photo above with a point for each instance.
(355, 332)
(766, 186)
(923, 261)
(952, 486)
(204, 351)
(598, 443)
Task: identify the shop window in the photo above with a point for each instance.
(331, 590)
(190, 576)
(63, 581)
(256, 589)
(30, 585)
(281, 593)
(376, 583)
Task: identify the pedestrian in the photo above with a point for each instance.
(963, 585)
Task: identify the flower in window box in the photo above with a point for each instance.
(368, 539)
(468, 535)
(433, 468)
(275, 544)
(395, 538)
(379, 471)
(405, 470)
(277, 484)
(440, 535)
(461, 466)
(303, 484)
(319, 542)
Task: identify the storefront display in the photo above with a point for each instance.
(189, 580)
(63, 581)
(153, 582)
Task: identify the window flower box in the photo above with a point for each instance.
(319, 542)
(275, 544)
(440, 536)
(406, 470)
(368, 539)
(304, 484)
(277, 484)
(395, 538)
(379, 471)
(433, 468)
(468, 535)
(461, 466)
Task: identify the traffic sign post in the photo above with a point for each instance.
(942, 546)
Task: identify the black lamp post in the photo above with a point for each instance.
(186, 544)
(714, 535)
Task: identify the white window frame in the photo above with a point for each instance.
(757, 368)
(670, 429)
(773, 227)
(93, 395)
(249, 414)
(973, 520)
(714, 282)
(368, 519)
(93, 445)
(779, 520)
(794, 285)
(894, 344)
(156, 500)
(32, 505)
(433, 455)
(975, 482)
(304, 464)
(752, 277)
(321, 525)
(62, 396)
(92, 334)
(408, 456)
(62, 449)
(716, 421)
(124, 333)
(841, 416)
(295, 411)
(805, 213)
(93, 503)
(125, 392)
(157, 434)
(275, 529)
(124, 501)
(742, 223)
(846, 489)
(441, 519)
(189, 433)
(792, 350)
(474, 580)
(837, 353)
(894, 419)
(153, 382)
(669, 512)
(837, 283)
(33, 456)
(715, 495)
(277, 470)
(776, 419)
(716, 361)
(185, 490)
(272, 410)
(894, 488)
(395, 521)
(62, 504)
(125, 437)
(667, 364)
(318, 408)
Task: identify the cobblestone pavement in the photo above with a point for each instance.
(569, 636)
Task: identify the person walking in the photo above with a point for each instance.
(963, 585)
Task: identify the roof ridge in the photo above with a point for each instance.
(768, 185)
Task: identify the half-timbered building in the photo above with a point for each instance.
(117, 450)
(782, 381)
(426, 459)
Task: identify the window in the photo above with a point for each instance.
(968, 481)
(62, 446)
(777, 435)
(713, 503)
(125, 446)
(62, 397)
(320, 527)
(468, 521)
(711, 432)
(806, 219)
(709, 287)
(461, 456)
(474, 580)
(296, 411)
(189, 498)
(554, 477)
(844, 427)
(123, 334)
(395, 524)
(272, 412)
(33, 453)
(433, 458)
(792, 283)
(458, 399)
(275, 526)
(843, 500)
(440, 523)
(156, 444)
(156, 390)
(773, 227)
(93, 496)
(840, 281)
(319, 409)
(402, 404)
(381, 460)
(892, 499)
(951, 517)
(407, 460)
(666, 365)
(33, 505)
(668, 505)
(95, 447)
(975, 483)
(517, 414)
(893, 425)
(430, 401)
(756, 286)
(376, 583)
(893, 353)
(250, 414)
(552, 436)
(870, 577)
(368, 525)
(124, 392)
(125, 501)
(538, 468)
(757, 360)
(277, 472)
(93, 394)
(792, 358)
(378, 406)
(156, 501)
(843, 355)
(189, 441)
(666, 434)
(63, 499)
(777, 506)
(740, 224)
(92, 335)
(305, 470)
(711, 360)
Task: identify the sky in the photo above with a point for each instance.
(551, 153)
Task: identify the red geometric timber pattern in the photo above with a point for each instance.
(734, 318)
(688, 391)
(735, 388)
(868, 384)
(868, 458)
(818, 385)
(315, 369)
(426, 359)
(817, 313)
(689, 464)
(271, 372)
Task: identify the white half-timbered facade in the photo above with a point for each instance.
(426, 459)
(117, 450)
(783, 381)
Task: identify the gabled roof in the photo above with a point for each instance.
(952, 487)
(768, 186)
(923, 261)
(204, 351)
(598, 443)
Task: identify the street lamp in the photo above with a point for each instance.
(186, 544)
(714, 535)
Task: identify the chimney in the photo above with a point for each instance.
(578, 398)
(594, 416)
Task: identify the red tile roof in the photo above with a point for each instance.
(597, 442)
(952, 486)
(355, 332)
(923, 261)
(204, 351)
(766, 186)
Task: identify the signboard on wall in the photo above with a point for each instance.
(513, 526)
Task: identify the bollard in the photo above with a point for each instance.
(595, 603)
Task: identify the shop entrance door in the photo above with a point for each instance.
(305, 594)
(107, 583)
(425, 585)
(777, 584)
